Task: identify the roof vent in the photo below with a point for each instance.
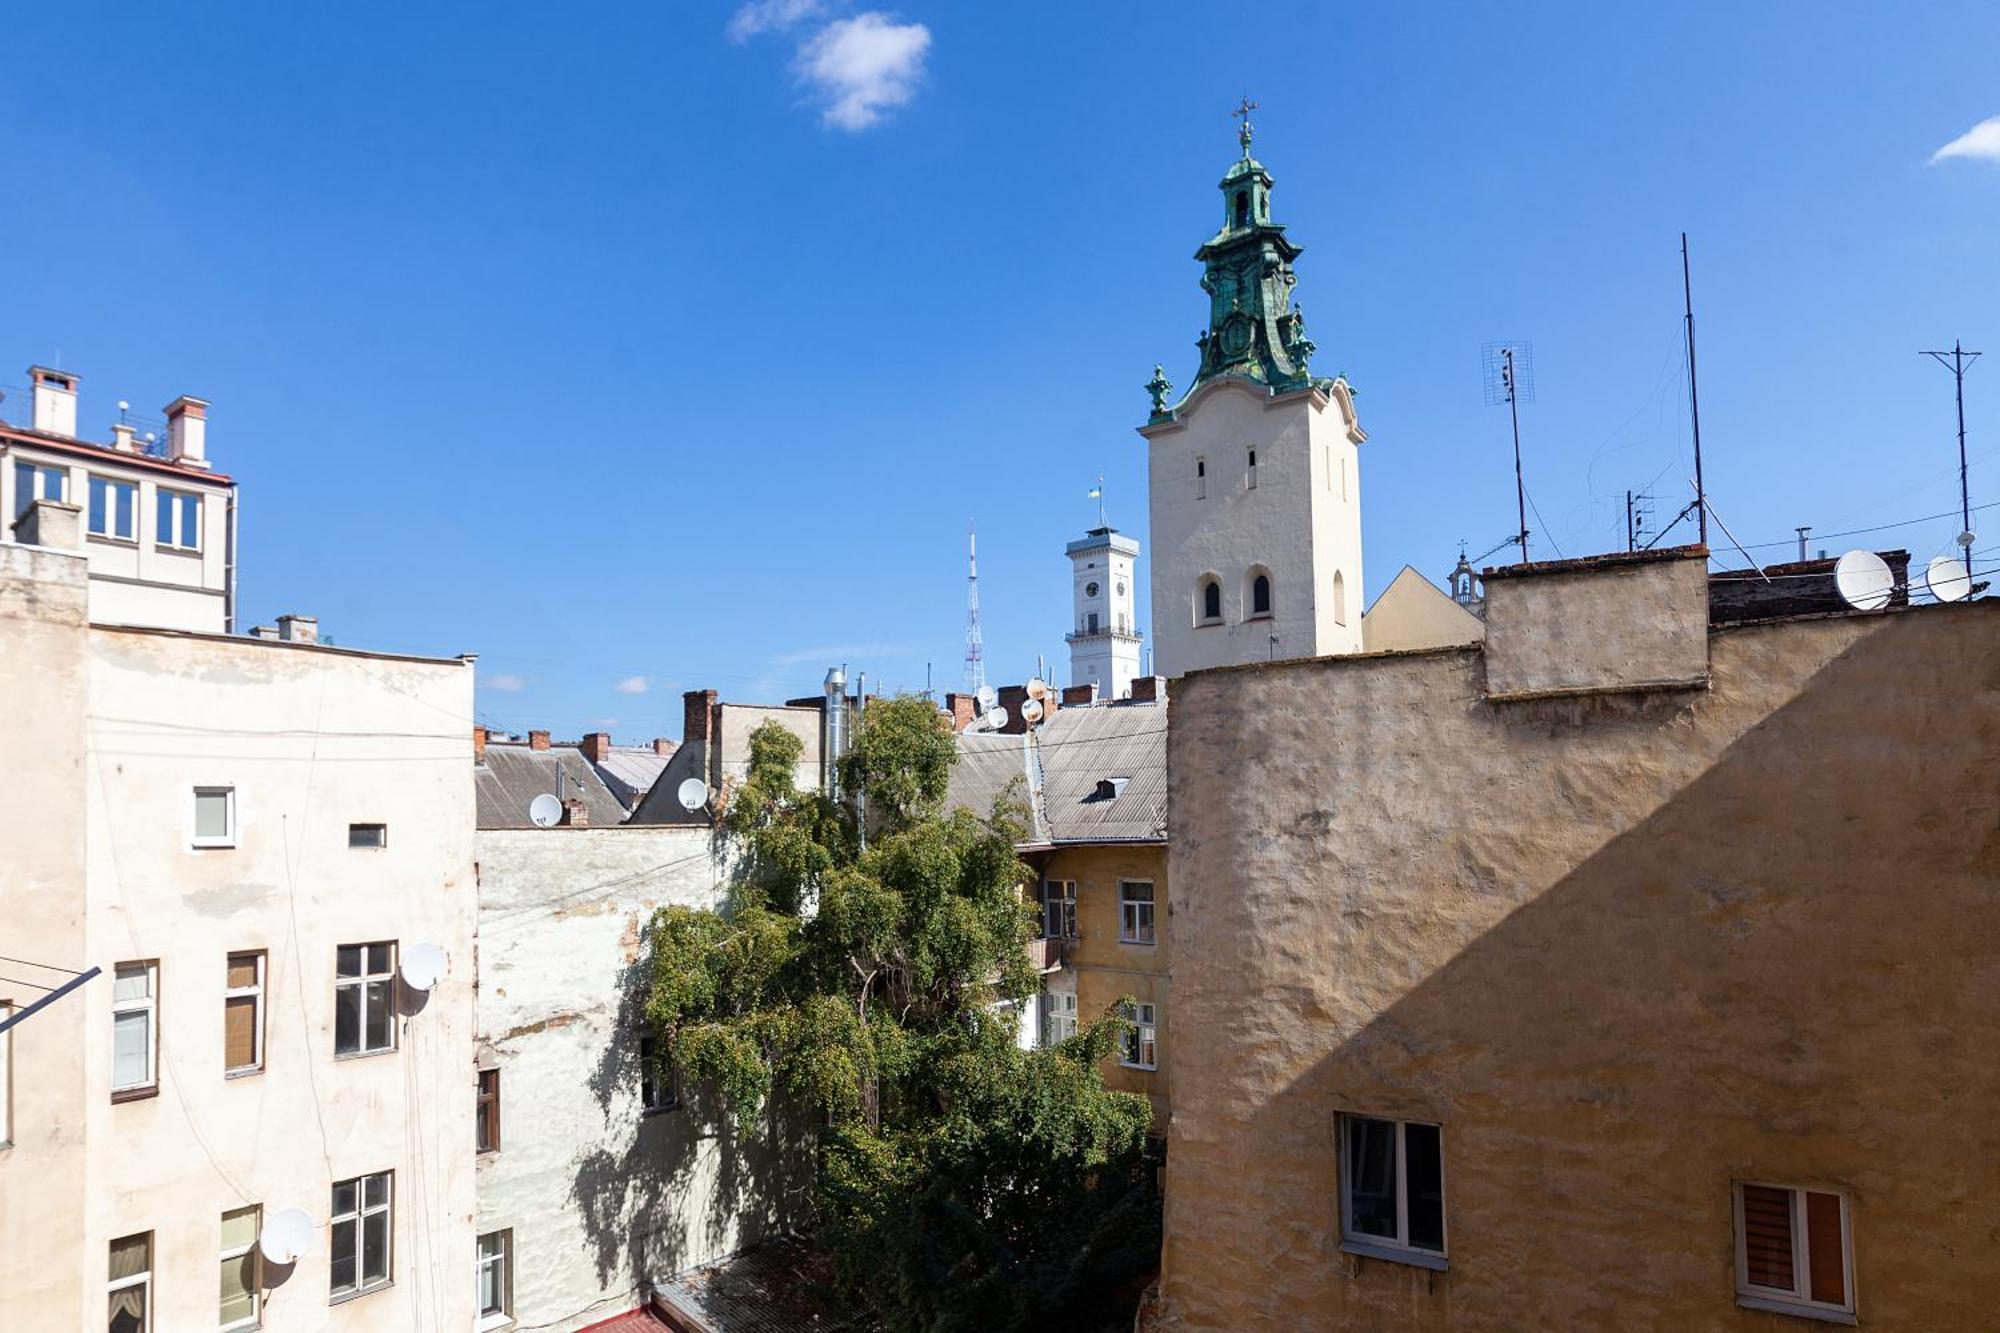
(1110, 789)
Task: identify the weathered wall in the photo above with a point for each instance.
(43, 636)
(1608, 622)
(1624, 949)
(600, 1197)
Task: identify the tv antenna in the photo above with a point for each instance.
(975, 649)
(1638, 518)
(1960, 359)
(1510, 379)
(1694, 397)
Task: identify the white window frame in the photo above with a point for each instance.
(1398, 1247)
(227, 838)
(1798, 1301)
(171, 500)
(358, 1219)
(144, 1280)
(503, 1259)
(1058, 1017)
(1066, 900)
(36, 475)
(229, 1255)
(112, 486)
(150, 1007)
(362, 981)
(380, 846)
(254, 992)
(1128, 915)
(1201, 615)
(1142, 1037)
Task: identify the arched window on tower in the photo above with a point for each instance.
(1339, 599)
(1208, 601)
(1242, 208)
(1258, 594)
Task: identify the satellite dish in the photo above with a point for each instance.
(1864, 580)
(693, 794)
(995, 719)
(1038, 688)
(423, 966)
(987, 697)
(1947, 579)
(287, 1235)
(545, 811)
(1031, 711)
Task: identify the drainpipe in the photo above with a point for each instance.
(229, 569)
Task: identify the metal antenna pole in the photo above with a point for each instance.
(1631, 538)
(975, 648)
(1694, 396)
(1520, 486)
(1960, 359)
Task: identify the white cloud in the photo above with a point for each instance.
(507, 682)
(832, 653)
(633, 685)
(770, 16)
(863, 66)
(1980, 143)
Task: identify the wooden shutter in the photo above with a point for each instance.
(1826, 1256)
(1767, 1237)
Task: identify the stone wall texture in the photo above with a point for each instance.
(1625, 949)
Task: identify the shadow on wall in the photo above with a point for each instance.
(689, 1186)
(1786, 971)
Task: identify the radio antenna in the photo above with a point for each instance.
(1694, 396)
(1960, 359)
(1510, 379)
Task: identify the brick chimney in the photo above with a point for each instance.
(50, 523)
(663, 747)
(595, 746)
(298, 629)
(575, 813)
(1079, 695)
(538, 740)
(1151, 689)
(479, 737)
(187, 431)
(698, 717)
(964, 710)
(55, 401)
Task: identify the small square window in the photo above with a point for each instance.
(370, 836)
(215, 816)
(1392, 1189)
(112, 507)
(177, 516)
(1794, 1251)
(1135, 912)
(496, 1280)
(364, 996)
(1142, 1037)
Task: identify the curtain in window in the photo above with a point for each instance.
(130, 1257)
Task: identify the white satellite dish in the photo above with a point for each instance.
(994, 719)
(423, 966)
(1864, 580)
(1947, 579)
(987, 697)
(545, 810)
(287, 1235)
(693, 794)
(1031, 711)
(1038, 688)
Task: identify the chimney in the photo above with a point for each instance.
(55, 401)
(122, 437)
(479, 737)
(964, 710)
(50, 523)
(595, 746)
(264, 632)
(697, 717)
(575, 813)
(1076, 696)
(298, 629)
(1149, 689)
(663, 747)
(187, 431)
(538, 740)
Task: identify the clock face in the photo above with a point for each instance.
(1090, 590)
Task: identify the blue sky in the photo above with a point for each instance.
(647, 346)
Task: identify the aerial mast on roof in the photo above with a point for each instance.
(1960, 359)
(975, 649)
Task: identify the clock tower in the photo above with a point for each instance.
(1104, 633)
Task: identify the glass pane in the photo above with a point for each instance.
(343, 1268)
(346, 1019)
(492, 1278)
(125, 496)
(381, 958)
(239, 1289)
(134, 982)
(347, 961)
(211, 814)
(164, 517)
(131, 1049)
(1767, 1237)
(375, 1248)
(239, 1227)
(345, 1196)
(1423, 1152)
(1371, 1177)
(377, 1035)
(1826, 1256)
(131, 1255)
(128, 1310)
(239, 1033)
(242, 970)
(1138, 893)
(100, 506)
(24, 488)
(375, 1190)
(190, 532)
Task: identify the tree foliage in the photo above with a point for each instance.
(962, 1182)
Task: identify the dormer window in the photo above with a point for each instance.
(1110, 789)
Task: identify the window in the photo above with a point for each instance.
(656, 1077)
(134, 1034)
(34, 481)
(1059, 909)
(1242, 208)
(1339, 599)
(487, 1119)
(1794, 1250)
(178, 520)
(1090, 623)
(375, 836)
(1201, 478)
(131, 1285)
(364, 989)
(361, 1234)
(1135, 912)
(496, 1279)
(215, 816)
(242, 1284)
(1253, 470)
(1209, 603)
(1392, 1189)
(1059, 1018)
(112, 507)
(1142, 1037)
(243, 1014)
(1260, 593)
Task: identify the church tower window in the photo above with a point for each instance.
(1260, 593)
(1210, 602)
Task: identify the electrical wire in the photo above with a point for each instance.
(33, 985)
(29, 962)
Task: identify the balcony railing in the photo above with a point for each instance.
(1107, 631)
(1049, 954)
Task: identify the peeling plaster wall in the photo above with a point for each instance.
(602, 1198)
(1625, 949)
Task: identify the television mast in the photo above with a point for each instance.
(975, 650)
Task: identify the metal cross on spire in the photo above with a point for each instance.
(1242, 113)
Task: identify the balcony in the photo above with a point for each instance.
(1049, 954)
(1106, 632)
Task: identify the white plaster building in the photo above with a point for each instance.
(248, 836)
(156, 522)
(1104, 632)
(1255, 473)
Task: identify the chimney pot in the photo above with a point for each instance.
(595, 746)
(538, 740)
(298, 629)
(698, 712)
(1076, 695)
(50, 523)
(964, 710)
(187, 431)
(1149, 688)
(55, 401)
(575, 813)
(663, 747)
(480, 736)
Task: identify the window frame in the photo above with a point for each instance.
(170, 500)
(226, 838)
(150, 1006)
(111, 486)
(1396, 1249)
(504, 1261)
(1252, 611)
(35, 474)
(1799, 1302)
(1201, 476)
(142, 1279)
(659, 1087)
(1066, 902)
(486, 1112)
(254, 992)
(229, 1254)
(1250, 469)
(381, 844)
(363, 980)
(1128, 917)
(1203, 586)
(1059, 1009)
(1142, 1036)
(358, 1219)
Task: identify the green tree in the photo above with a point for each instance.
(962, 1183)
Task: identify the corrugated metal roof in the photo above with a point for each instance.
(509, 777)
(631, 771)
(1078, 749)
